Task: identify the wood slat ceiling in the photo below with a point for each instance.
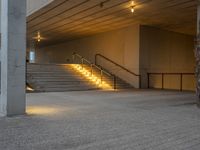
(68, 19)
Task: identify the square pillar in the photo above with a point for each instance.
(13, 52)
(197, 53)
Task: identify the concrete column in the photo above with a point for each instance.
(197, 53)
(198, 18)
(13, 52)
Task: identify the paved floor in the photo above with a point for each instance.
(96, 120)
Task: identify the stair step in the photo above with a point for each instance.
(53, 89)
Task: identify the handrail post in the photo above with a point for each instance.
(91, 69)
(140, 82)
(162, 81)
(82, 61)
(101, 76)
(114, 82)
(73, 57)
(181, 82)
(96, 59)
(148, 78)
(26, 72)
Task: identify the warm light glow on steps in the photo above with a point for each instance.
(94, 79)
(29, 89)
(38, 110)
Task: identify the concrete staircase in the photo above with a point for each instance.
(66, 77)
(56, 77)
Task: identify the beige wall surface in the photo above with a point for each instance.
(121, 46)
(140, 49)
(165, 51)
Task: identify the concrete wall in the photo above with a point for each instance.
(122, 46)
(32, 6)
(165, 51)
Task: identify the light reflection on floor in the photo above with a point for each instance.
(39, 110)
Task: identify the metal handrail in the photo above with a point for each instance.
(74, 55)
(167, 73)
(118, 65)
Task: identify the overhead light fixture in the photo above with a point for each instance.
(38, 37)
(132, 9)
(132, 6)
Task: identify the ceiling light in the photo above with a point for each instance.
(132, 6)
(132, 9)
(38, 37)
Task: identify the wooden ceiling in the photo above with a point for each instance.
(68, 19)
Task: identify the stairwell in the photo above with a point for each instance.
(56, 78)
(70, 77)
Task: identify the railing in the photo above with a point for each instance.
(92, 67)
(181, 75)
(116, 64)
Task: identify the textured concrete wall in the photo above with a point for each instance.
(122, 46)
(197, 54)
(13, 50)
(32, 6)
(165, 51)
